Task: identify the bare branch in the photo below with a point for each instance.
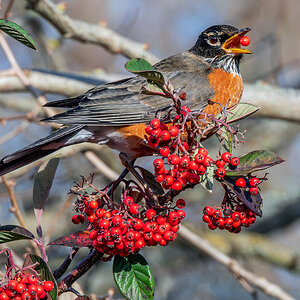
(237, 270)
(90, 33)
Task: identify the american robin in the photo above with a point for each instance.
(116, 113)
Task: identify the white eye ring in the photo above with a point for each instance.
(213, 40)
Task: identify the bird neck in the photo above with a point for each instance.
(228, 63)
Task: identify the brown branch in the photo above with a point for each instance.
(237, 270)
(9, 184)
(90, 33)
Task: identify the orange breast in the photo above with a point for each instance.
(228, 89)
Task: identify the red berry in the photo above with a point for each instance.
(138, 224)
(148, 129)
(160, 220)
(12, 284)
(93, 204)
(116, 220)
(221, 172)
(181, 214)
(253, 190)
(240, 182)
(174, 159)
(168, 235)
(177, 186)
(164, 151)
(75, 219)
(40, 290)
(32, 289)
(182, 95)
(134, 208)
(158, 163)
(221, 222)
(254, 181)
(3, 296)
(185, 109)
(150, 214)
(26, 295)
(32, 279)
(140, 243)
(207, 162)
(160, 178)
(217, 214)
(184, 162)
(165, 136)
(193, 165)
(235, 216)
(206, 218)
(201, 170)
(226, 156)
(193, 178)
(199, 158)
(208, 211)
(174, 130)
(155, 123)
(153, 142)
(156, 133)
(220, 163)
(21, 288)
(234, 161)
(212, 226)
(180, 203)
(128, 201)
(203, 151)
(48, 286)
(157, 237)
(168, 180)
(245, 41)
(93, 234)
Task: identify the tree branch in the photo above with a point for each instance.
(237, 270)
(90, 33)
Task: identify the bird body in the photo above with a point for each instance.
(116, 113)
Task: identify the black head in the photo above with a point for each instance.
(219, 40)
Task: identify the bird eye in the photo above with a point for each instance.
(213, 40)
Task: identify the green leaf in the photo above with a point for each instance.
(143, 68)
(255, 161)
(252, 202)
(152, 88)
(225, 138)
(133, 277)
(151, 181)
(138, 64)
(239, 112)
(9, 233)
(207, 180)
(43, 270)
(17, 32)
(43, 182)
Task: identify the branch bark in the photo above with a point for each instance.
(90, 33)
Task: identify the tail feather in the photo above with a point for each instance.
(41, 148)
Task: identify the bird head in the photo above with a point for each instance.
(220, 40)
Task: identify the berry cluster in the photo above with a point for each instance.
(226, 160)
(129, 228)
(252, 186)
(228, 219)
(23, 287)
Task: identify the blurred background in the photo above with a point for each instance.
(271, 247)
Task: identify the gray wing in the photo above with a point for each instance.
(121, 103)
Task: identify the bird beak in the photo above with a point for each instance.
(232, 45)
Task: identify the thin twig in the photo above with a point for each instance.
(9, 184)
